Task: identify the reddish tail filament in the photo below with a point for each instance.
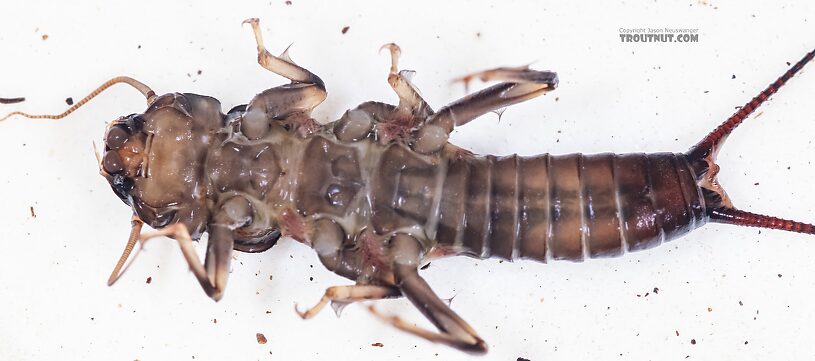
(717, 136)
(744, 218)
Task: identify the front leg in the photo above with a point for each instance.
(179, 232)
(282, 65)
(291, 103)
(214, 272)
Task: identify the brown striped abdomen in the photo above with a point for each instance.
(567, 207)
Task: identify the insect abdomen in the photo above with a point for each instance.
(568, 207)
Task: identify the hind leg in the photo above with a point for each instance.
(519, 84)
(452, 329)
(291, 103)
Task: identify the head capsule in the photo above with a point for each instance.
(155, 161)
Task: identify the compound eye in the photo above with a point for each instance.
(122, 184)
(112, 162)
(116, 137)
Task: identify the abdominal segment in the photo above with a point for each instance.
(566, 207)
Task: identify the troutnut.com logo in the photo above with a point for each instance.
(659, 35)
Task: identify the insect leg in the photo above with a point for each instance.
(218, 257)
(454, 331)
(347, 294)
(292, 102)
(179, 232)
(214, 272)
(327, 239)
(411, 104)
(519, 84)
(282, 65)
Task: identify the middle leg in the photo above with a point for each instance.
(326, 237)
(348, 294)
(412, 107)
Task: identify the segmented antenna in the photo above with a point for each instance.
(744, 218)
(131, 242)
(713, 140)
(144, 89)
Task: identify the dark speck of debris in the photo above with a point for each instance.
(425, 266)
(741, 303)
(656, 290)
(69, 101)
(478, 34)
(261, 338)
(288, 2)
(707, 91)
(311, 278)
(779, 275)
(92, 318)
(11, 100)
(214, 320)
(788, 63)
(745, 342)
(733, 77)
(345, 29)
(149, 280)
(693, 341)
(31, 209)
(755, 184)
(44, 36)
(199, 72)
(677, 333)
(377, 344)
(138, 47)
(522, 359)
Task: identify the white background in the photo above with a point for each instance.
(613, 96)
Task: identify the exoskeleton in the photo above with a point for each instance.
(380, 191)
